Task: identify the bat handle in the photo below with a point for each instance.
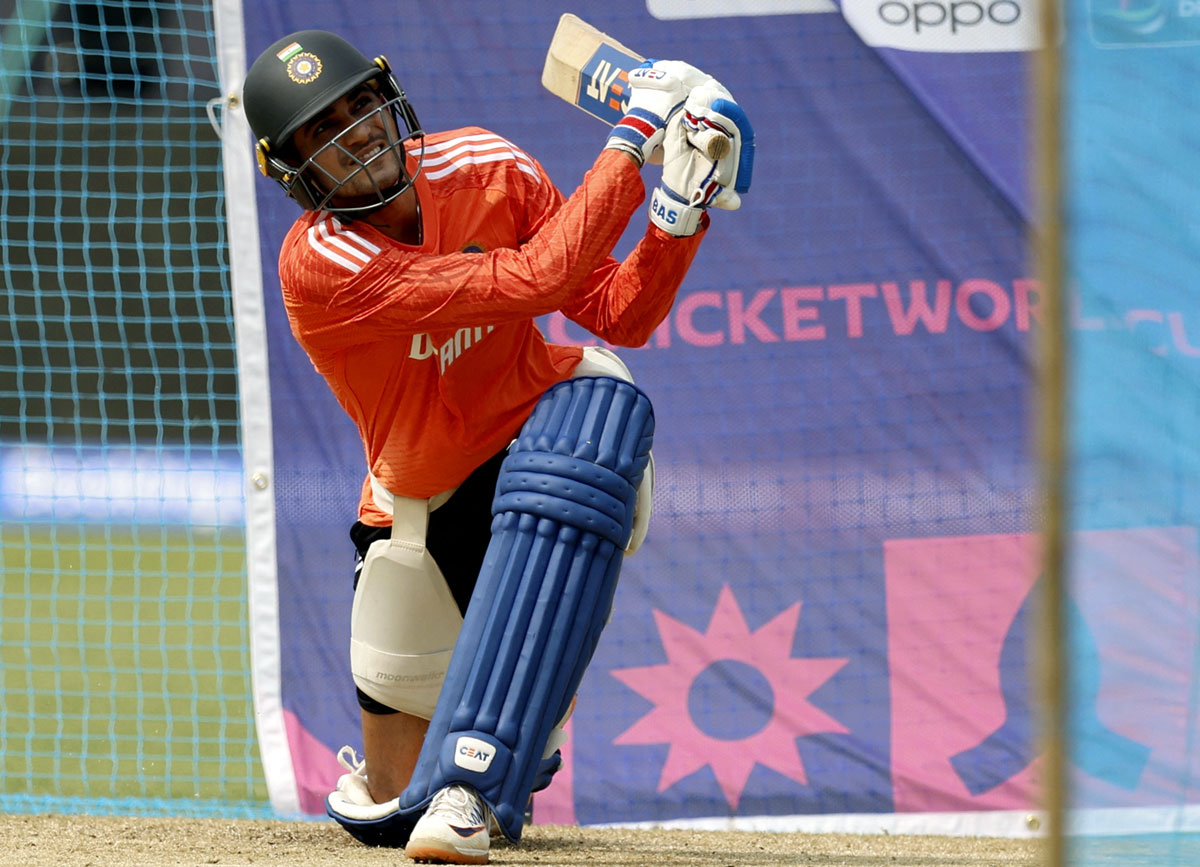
(713, 144)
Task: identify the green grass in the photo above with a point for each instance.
(125, 664)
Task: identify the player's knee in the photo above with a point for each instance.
(598, 361)
(372, 706)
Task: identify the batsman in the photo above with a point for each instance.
(506, 477)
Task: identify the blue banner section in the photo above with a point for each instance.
(1131, 212)
(842, 394)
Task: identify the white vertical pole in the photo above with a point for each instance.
(255, 410)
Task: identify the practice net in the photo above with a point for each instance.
(124, 660)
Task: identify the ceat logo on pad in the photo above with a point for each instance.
(473, 754)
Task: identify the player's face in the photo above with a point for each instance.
(354, 145)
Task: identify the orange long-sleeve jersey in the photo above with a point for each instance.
(432, 350)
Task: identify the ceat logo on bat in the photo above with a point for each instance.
(604, 84)
(473, 754)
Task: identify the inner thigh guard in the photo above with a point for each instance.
(562, 517)
(403, 627)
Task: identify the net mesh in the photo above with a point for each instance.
(125, 678)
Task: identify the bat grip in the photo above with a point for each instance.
(710, 142)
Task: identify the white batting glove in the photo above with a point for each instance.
(657, 90)
(718, 127)
(691, 180)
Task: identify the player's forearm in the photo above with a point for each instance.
(631, 298)
(400, 292)
(578, 240)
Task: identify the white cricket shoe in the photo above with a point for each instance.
(454, 829)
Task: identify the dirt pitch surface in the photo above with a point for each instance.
(108, 841)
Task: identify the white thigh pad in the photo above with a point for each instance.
(403, 627)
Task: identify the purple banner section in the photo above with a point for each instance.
(841, 393)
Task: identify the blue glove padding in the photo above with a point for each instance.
(711, 112)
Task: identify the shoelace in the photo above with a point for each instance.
(460, 804)
(348, 758)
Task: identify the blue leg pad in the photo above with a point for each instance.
(563, 514)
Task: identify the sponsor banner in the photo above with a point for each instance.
(1143, 23)
(946, 26)
(962, 615)
(675, 9)
(958, 623)
(1133, 606)
(847, 363)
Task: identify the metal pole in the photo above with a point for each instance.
(1052, 399)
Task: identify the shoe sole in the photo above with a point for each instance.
(439, 853)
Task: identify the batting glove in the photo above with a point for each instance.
(691, 179)
(657, 90)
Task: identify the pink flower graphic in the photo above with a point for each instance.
(760, 656)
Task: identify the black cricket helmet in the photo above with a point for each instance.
(293, 81)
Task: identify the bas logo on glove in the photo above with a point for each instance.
(673, 216)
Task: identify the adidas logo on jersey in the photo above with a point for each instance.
(341, 245)
(449, 156)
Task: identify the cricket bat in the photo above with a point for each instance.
(590, 70)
